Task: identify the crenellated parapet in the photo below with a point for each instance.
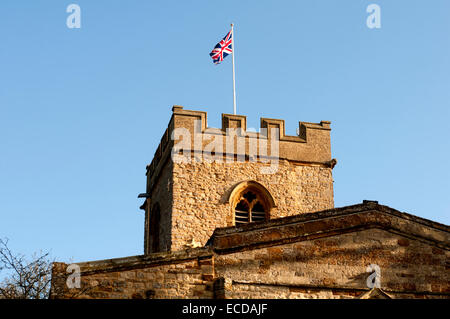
(189, 129)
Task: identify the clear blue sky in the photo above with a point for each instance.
(82, 110)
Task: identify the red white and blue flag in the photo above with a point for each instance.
(223, 48)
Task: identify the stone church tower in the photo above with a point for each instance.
(187, 200)
(231, 213)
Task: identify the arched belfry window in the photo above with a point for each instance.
(250, 202)
(154, 233)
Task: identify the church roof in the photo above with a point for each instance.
(302, 227)
(327, 223)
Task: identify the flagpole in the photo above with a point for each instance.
(232, 53)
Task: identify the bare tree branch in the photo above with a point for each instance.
(25, 279)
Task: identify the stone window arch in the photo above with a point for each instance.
(155, 228)
(250, 202)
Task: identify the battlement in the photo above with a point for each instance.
(192, 180)
(311, 145)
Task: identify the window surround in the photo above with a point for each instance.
(263, 197)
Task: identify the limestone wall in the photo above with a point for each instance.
(157, 276)
(335, 267)
(330, 267)
(193, 195)
(161, 196)
(201, 190)
(315, 255)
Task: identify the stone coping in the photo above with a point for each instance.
(332, 212)
(163, 151)
(329, 223)
(142, 261)
(285, 230)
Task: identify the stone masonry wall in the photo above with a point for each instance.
(193, 196)
(329, 267)
(335, 267)
(201, 190)
(128, 278)
(162, 196)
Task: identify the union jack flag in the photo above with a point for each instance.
(222, 49)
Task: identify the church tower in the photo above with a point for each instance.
(205, 178)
